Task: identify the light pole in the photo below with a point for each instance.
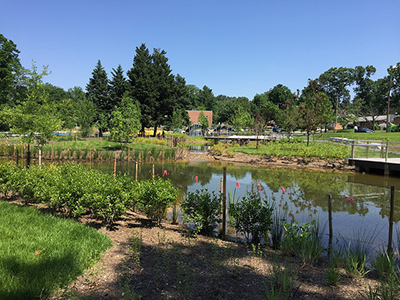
(388, 108)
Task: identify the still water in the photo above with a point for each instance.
(364, 213)
(360, 202)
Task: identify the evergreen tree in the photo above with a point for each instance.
(118, 86)
(142, 89)
(97, 91)
(10, 69)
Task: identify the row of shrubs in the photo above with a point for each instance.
(73, 190)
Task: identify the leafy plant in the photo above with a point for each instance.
(203, 209)
(252, 216)
(281, 282)
(155, 196)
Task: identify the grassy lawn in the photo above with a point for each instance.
(378, 135)
(40, 253)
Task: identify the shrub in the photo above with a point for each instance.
(155, 196)
(203, 209)
(251, 216)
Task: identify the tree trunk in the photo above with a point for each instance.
(155, 130)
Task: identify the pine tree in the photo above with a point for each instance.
(97, 91)
(118, 86)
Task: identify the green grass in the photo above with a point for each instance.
(322, 150)
(378, 135)
(40, 253)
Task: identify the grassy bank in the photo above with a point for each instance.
(41, 253)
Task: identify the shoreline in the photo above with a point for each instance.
(314, 163)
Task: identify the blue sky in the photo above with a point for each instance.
(236, 48)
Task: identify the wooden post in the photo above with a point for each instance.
(330, 224)
(115, 165)
(153, 171)
(17, 157)
(352, 150)
(40, 157)
(391, 220)
(387, 153)
(52, 152)
(136, 170)
(367, 148)
(383, 141)
(224, 205)
(129, 150)
(90, 153)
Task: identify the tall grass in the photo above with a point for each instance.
(41, 253)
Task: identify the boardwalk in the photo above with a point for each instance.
(385, 166)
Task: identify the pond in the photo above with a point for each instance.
(360, 202)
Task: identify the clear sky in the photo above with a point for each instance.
(236, 48)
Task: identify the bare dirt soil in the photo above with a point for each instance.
(148, 262)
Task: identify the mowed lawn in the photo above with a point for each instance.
(40, 253)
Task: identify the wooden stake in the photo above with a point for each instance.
(391, 220)
(330, 224)
(115, 165)
(136, 170)
(224, 205)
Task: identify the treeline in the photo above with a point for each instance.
(149, 95)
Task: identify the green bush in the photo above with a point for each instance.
(155, 196)
(251, 216)
(203, 209)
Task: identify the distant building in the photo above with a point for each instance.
(194, 115)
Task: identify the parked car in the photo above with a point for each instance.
(364, 129)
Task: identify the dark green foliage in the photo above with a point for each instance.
(203, 209)
(252, 216)
(72, 190)
(97, 91)
(118, 86)
(10, 68)
(155, 196)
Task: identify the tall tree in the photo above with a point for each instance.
(10, 69)
(141, 82)
(56, 93)
(118, 86)
(97, 91)
(365, 94)
(335, 83)
(315, 108)
(203, 121)
(206, 99)
(155, 87)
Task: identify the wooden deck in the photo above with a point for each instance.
(387, 167)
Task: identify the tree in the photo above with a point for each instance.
(85, 110)
(56, 94)
(118, 86)
(203, 120)
(206, 99)
(125, 120)
(241, 119)
(279, 94)
(35, 120)
(66, 109)
(315, 109)
(335, 83)
(97, 91)
(290, 116)
(365, 94)
(10, 69)
(155, 87)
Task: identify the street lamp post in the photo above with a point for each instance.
(388, 108)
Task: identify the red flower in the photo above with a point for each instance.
(165, 172)
(196, 178)
(259, 186)
(283, 190)
(238, 185)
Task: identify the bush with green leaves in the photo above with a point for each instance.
(73, 190)
(155, 195)
(203, 210)
(252, 216)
